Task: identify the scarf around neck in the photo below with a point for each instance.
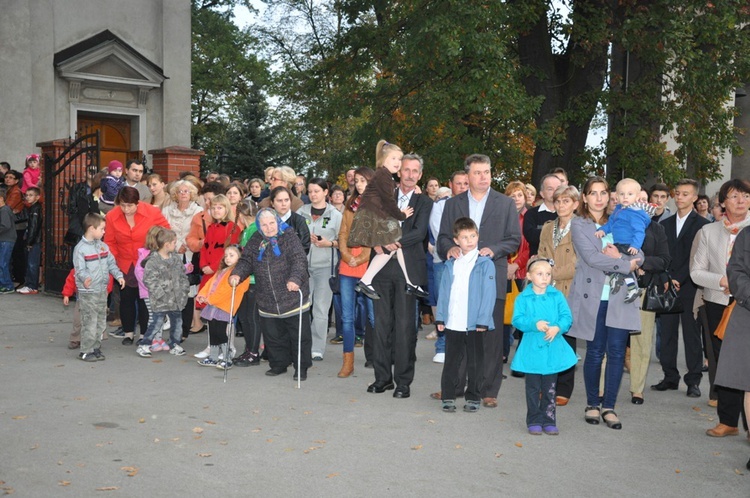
(272, 241)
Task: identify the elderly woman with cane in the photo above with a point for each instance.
(274, 254)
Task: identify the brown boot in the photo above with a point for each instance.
(348, 367)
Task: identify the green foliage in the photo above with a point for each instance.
(225, 73)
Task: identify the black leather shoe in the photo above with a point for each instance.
(665, 386)
(367, 290)
(128, 341)
(402, 392)
(693, 392)
(636, 400)
(276, 371)
(302, 377)
(416, 291)
(380, 387)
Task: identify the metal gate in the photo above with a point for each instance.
(71, 167)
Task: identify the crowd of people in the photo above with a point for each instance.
(276, 258)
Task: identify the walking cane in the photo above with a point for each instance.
(230, 336)
(299, 344)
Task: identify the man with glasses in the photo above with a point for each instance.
(133, 174)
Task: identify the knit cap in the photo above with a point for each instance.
(114, 165)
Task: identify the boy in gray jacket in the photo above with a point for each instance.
(93, 263)
(7, 241)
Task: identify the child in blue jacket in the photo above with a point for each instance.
(464, 310)
(542, 314)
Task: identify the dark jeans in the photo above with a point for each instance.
(613, 342)
(281, 338)
(540, 400)
(157, 322)
(33, 260)
(249, 320)
(566, 380)
(132, 306)
(456, 345)
(18, 266)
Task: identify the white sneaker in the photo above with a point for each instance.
(143, 351)
(439, 358)
(232, 351)
(177, 350)
(203, 354)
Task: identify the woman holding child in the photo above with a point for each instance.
(602, 320)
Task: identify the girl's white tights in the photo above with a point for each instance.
(378, 263)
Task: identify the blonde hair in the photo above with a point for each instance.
(515, 186)
(382, 150)
(627, 181)
(183, 183)
(152, 238)
(222, 199)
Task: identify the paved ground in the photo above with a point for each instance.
(164, 426)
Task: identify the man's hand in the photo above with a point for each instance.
(486, 251)
(378, 249)
(454, 252)
(481, 329)
(393, 247)
(676, 285)
(234, 280)
(512, 269)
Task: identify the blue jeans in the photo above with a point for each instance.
(349, 304)
(613, 342)
(157, 322)
(6, 250)
(437, 270)
(33, 259)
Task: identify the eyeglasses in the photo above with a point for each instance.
(183, 191)
(274, 179)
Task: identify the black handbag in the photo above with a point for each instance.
(659, 300)
(194, 277)
(333, 280)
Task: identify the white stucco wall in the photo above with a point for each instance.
(35, 99)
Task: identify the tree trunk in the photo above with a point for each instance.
(568, 82)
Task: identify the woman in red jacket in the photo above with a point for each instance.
(127, 225)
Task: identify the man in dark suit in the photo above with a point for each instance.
(681, 230)
(537, 216)
(395, 334)
(499, 235)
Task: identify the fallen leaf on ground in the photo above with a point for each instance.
(307, 412)
(430, 421)
(156, 439)
(677, 471)
(175, 439)
(352, 401)
(519, 445)
(696, 408)
(204, 455)
(458, 446)
(35, 446)
(108, 488)
(738, 472)
(717, 453)
(80, 398)
(20, 417)
(332, 475)
(498, 455)
(320, 441)
(211, 422)
(198, 430)
(130, 470)
(58, 366)
(417, 447)
(141, 420)
(256, 430)
(269, 440)
(223, 443)
(63, 483)
(156, 361)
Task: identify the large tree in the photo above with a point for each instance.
(448, 77)
(226, 72)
